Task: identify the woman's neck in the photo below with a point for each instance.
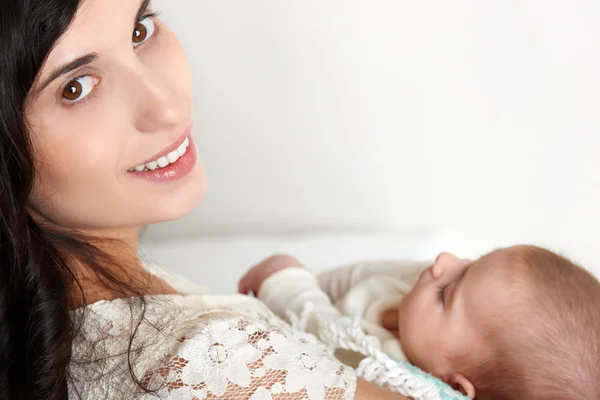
(122, 248)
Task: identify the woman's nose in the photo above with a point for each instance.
(161, 110)
(159, 103)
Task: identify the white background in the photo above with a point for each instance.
(477, 121)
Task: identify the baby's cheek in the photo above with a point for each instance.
(419, 353)
(414, 332)
(410, 348)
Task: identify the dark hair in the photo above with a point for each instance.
(37, 278)
(549, 343)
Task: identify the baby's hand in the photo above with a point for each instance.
(252, 281)
(390, 319)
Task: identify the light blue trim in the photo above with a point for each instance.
(445, 392)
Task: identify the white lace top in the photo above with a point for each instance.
(200, 346)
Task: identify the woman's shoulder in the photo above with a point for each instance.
(177, 281)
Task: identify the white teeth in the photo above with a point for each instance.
(181, 149)
(162, 162)
(173, 156)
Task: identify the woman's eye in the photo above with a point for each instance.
(79, 88)
(143, 31)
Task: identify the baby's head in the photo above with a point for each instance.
(519, 323)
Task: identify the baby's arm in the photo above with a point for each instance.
(337, 282)
(285, 286)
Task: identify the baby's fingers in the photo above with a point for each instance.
(245, 285)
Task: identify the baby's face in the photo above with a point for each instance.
(447, 312)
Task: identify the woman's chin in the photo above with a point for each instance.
(183, 201)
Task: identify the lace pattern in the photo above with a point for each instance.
(220, 352)
(238, 359)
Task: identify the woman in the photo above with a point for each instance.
(95, 141)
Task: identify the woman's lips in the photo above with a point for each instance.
(168, 154)
(180, 167)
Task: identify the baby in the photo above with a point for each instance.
(518, 323)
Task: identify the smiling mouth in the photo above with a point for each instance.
(165, 160)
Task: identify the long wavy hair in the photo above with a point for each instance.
(37, 275)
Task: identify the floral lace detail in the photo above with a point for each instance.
(200, 346)
(233, 358)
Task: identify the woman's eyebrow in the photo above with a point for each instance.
(68, 67)
(141, 11)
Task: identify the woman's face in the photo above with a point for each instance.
(126, 104)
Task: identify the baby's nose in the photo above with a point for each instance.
(442, 256)
(442, 262)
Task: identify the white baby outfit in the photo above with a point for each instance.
(344, 308)
(362, 290)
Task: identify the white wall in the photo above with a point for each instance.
(469, 118)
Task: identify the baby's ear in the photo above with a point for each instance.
(462, 384)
